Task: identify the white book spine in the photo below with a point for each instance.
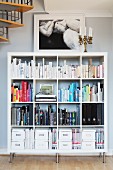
(43, 70)
(50, 139)
(25, 69)
(39, 69)
(86, 71)
(101, 71)
(98, 91)
(22, 70)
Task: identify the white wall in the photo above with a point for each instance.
(21, 39)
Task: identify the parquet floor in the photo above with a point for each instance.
(49, 163)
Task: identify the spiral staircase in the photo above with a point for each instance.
(11, 15)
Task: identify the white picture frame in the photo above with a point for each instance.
(58, 32)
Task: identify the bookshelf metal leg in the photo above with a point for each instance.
(11, 158)
(103, 157)
(57, 160)
(13, 155)
(100, 154)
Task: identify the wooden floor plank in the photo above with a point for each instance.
(49, 163)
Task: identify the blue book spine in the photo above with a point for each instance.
(31, 94)
(70, 118)
(59, 99)
(71, 94)
(77, 95)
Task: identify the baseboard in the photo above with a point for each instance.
(3, 151)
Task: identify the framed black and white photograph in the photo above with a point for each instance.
(58, 32)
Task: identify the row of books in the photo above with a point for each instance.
(93, 114)
(21, 116)
(99, 139)
(72, 94)
(45, 117)
(94, 93)
(76, 139)
(68, 71)
(46, 71)
(29, 138)
(69, 118)
(22, 92)
(92, 71)
(22, 69)
(29, 69)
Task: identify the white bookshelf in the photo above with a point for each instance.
(71, 107)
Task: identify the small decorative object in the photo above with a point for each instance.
(86, 39)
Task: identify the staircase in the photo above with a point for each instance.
(11, 15)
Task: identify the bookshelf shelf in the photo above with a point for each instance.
(22, 102)
(69, 102)
(78, 110)
(93, 102)
(22, 79)
(24, 126)
(47, 79)
(61, 79)
(45, 126)
(92, 79)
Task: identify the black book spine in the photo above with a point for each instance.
(61, 117)
(102, 114)
(84, 114)
(99, 114)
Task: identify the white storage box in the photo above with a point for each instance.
(65, 135)
(88, 135)
(41, 134)
(65, 145)
(88, 145)
(41, 145)
(18, 135)
(18, 145)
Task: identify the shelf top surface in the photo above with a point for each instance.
(52, 53)
(2, 39)
(8, 6)
(9, 24)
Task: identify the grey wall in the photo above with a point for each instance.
(21, 39)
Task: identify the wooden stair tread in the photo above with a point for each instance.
(9, 24)
(15, 7)
(2, 39)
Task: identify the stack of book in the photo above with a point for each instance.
(69, 118)
(22, 92)
(45, 117)
(45, 98)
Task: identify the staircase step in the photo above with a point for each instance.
(9, 24)
(8, 6)
(2, 39)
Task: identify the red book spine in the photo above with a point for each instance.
(22, 91)
(27, 95)
(25, 91)
(20, 95)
